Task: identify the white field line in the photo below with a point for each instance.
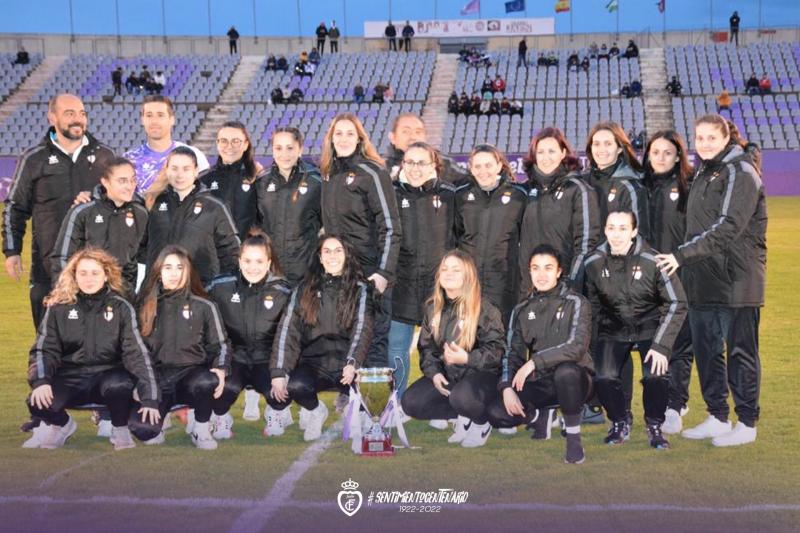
(58, 475)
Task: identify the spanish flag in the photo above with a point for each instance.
(562, 6)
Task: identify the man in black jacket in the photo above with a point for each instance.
(391, 34)
(734, 20)
(233, 40)
(322, 34)
(408, 33)
(48, 177)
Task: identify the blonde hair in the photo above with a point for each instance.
(467, 304)
(365, 147)
(66, 288)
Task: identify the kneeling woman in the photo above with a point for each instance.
(324, 335)
(634, 303)
(88, 350)
(251, 304)
(547, 362)
(188, 343)
(460, 348)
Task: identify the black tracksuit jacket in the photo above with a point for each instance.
(452, 172)
(620, 188)
(289, 212)
(427, 214)
(724, 258)
(200, 223)
(251, 313)
(328, 341)
(45, 183)
(358, 203)
(632, 299)
(485, 356)
(552, 328)
(562, 212)
(667, 224)
(121, 231)
(96, 333)
(237, 191)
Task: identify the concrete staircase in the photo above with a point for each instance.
(435, 111)
(28, 89)
(657, 103)
(206, 136)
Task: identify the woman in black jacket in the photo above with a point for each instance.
(547, 360)
(89, 350)
(427, 206)
(358, 203)
(251, 303)
(324, 334)
(232, 178)
(185, 213)
(634, 303)
(666, 177)
(724, 267)
(187, 339)
(562, 209)
(289, 203)
(460, 348)
(489, 211)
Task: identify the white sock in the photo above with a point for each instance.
(573, 430)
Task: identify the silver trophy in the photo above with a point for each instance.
(376, 386)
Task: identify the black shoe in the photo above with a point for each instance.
(592, 414)
(657, 439)
(543, 424)
(618, 433)
(575, 453)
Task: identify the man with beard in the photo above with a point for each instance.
(48, 177)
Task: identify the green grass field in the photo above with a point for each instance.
(250, 484)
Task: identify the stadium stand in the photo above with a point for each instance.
(11, 75)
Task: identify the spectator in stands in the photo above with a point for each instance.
(464, 104)
(378, 96)
(407, 33)
(603, 52)
(494, 106)
(388, 93)
(552, 60)
(452, 104)
(765, 84)
(724, 101)
(296, 96)
(322, 34)
(752, 86)
(614, 50)
(233, 40)
(573, 61)
(585, 64)
(276, 96)
(516, 108)
(282, 64)
(637, 139)
(333, 36)
(314, 57)
(159, 82)
(632, 50)
(594, 51)
(505, 106)
(674, 87)
(144, 77)
(132, 83)
(487, 86)
(303, 56)
(463, 54)
(391, 35)
(636, 88)
(485, 107)
(625, 91)
(22, 57)
(272, 64)
(499, 84)
(358, 93)
(479, 59)
(734, 20)
(476, 104)
(116, 81)
(522, 53)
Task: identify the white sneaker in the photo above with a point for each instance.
(121, 438)
(673, 423)
(155, 441)
(167, 422)
(741, 434)
(314, 422)
(711, 427)
(438, 423)
(201, 436)
(189, 421)
(104, 429)
(477, 435)
(274, 427)
(56, 436)
(463, 425)
(223, 426)
(286, 417)
(252, 411)
(508, 431)
(37, 436)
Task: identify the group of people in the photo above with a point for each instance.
(490, 104)
(288, 279)
(145, 82)
(390, 33)
(631, 90)
(755, 86)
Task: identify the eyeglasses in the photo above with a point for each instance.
(236, 143)
(419, 164)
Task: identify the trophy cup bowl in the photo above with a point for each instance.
(376, 386)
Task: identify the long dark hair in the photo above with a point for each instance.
(570, 162)
(684, 169)
(628, 153)
(315, 277)
(256, 237)
(148, 298)
(248, 157)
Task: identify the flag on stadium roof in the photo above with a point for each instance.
(472, 7)
(662, 5)
(612, 6)
(515, 5)
(562, 6)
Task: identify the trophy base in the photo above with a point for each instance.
(377, 448)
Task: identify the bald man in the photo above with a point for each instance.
(48, 177)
